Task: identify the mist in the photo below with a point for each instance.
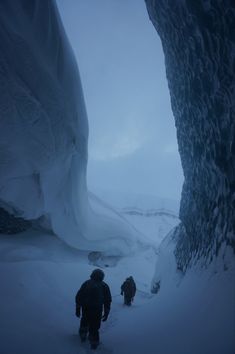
(132, 136)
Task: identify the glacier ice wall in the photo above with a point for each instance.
(42, 108)
(44, 130)
(198, 40)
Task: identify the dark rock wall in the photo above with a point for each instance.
(198, 39)
(9, 224)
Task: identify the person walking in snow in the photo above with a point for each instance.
(128, 288)
(93, 298)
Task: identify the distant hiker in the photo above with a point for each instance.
(94, 298)
(128, 288)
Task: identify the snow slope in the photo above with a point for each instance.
(40, 275)
(151, 217)
(122, 200)
(193, 314)
(44, 131)
(155, 224)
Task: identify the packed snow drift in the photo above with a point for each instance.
(40, 276)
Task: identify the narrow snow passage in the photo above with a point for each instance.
(40, 276)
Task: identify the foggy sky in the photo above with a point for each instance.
(132, 139)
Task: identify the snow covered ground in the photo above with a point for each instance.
(39, 277)
(40, 274)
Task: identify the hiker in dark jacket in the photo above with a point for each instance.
(94, 298)
(128, 288)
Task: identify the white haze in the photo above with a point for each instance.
(132, 140)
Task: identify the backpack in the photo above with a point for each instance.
(93, 294)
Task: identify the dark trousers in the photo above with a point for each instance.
(90, 324)
(127, 299)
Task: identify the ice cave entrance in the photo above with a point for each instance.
(133, 152)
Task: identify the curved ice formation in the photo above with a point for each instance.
(44, 130)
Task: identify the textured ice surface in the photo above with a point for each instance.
(44, 130)
(199, 46)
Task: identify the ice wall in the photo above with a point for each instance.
(44, 130)
(198, 40)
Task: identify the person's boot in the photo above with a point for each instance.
(83, 337)
(94, 342)
(94, 345)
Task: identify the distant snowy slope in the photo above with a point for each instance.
(155, 227)
(44, 130)
(153, 217)
(121, 200)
